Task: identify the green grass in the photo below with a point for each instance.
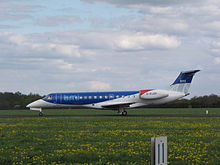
(139, 111)
(108, 140)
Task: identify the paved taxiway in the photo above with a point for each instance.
(165, 115)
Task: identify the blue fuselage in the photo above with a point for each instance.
(85, 97)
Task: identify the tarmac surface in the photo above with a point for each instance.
(150, 115)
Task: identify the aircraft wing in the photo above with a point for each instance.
(113, 105)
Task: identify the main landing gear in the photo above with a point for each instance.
(122, 112)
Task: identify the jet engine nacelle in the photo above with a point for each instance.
(153, 94)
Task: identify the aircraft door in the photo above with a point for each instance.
(53, 98)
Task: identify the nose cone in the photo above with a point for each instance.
(37, 104)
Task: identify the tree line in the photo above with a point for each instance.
(17, 100)
(9, 100)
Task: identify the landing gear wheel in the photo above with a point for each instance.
(41, 114)
(124, 113)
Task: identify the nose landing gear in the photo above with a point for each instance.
(38, 109)
(41, 113)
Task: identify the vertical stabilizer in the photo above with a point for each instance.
(183, 81)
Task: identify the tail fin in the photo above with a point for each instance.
(183, 81)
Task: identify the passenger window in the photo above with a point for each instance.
(95, 97)
(100, 97)
(85, 97)
(90, 97)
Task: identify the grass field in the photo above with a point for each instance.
(108, 140)
(212, 111)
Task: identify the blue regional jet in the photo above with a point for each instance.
(117, 100)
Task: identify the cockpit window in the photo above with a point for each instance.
(48, 97)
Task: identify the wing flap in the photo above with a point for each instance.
(117, 104)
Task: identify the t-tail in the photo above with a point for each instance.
(183, 81)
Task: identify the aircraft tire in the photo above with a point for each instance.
(124, 113)
(41, 114)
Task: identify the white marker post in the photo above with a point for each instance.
(159, 150)
(207, 112)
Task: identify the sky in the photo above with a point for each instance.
(108, 45)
